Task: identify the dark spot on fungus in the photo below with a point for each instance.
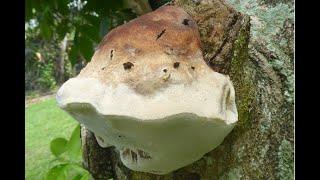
(103, 68)
(165, 70)
(134, 156)
(143, 154)
(185, 22)
(176, 65)
(126, 152)
(127, 65)
(159, 35)
(111, 54)
(100, 138)
(193, 68)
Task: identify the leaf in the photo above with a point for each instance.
(58, 146)
(78, 168)
(77, 177)
(37, 5)
(76, 37)
(45, 30)
(58, 172)
(90, 32)
(103, 7)
(62, 29)
(74, 145)
(28, 10)
(73, 55)
(75, 171)
(80, 176)
(62, 6)
(156, 4)
(85, 176)
(104, 25)
(122, 16)
(45, 22)
(92, 20)
(85, 47)
(66, 171)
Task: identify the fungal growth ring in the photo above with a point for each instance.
(148, 92)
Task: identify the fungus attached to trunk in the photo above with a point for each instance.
(161, 110)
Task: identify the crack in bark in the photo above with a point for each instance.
(223, 66)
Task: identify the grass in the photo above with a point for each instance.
(44, 121)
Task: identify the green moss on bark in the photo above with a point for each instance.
(239, 76)
(286, 160)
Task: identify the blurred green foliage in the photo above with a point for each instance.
(86, 22)
(80, 24)
(39, 64)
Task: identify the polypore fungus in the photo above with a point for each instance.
(148, 92)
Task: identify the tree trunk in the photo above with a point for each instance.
(59, 64)
(261, 144)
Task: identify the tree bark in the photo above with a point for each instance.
(59, 63)
(261, 144)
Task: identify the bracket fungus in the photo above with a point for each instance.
(148, 92)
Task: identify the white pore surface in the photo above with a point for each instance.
(175, 127)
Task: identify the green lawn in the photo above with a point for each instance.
(44, 121)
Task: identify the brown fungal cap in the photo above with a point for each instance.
(166, 23)
(144, 47)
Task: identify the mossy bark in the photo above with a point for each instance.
(261, 144)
